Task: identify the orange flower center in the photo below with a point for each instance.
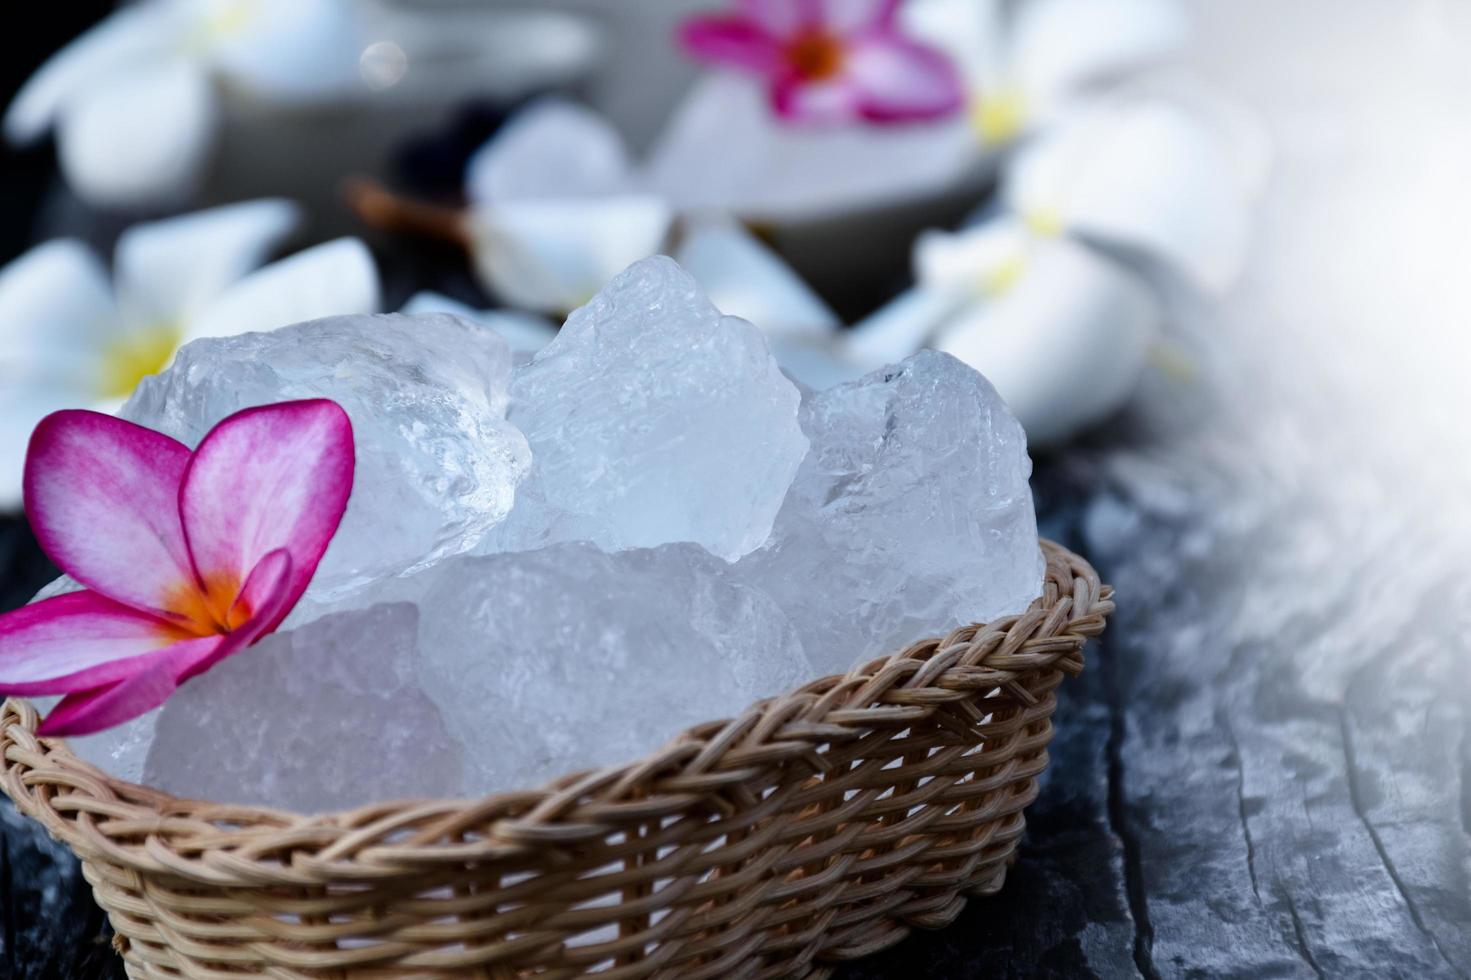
(210, 611)
(816, 55)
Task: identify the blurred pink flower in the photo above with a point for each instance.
(831, 60)
(187, 557)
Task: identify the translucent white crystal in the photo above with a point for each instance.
(121, 751)
(324, 717)
(568, 658)
(437, 464)
(911, 515)
(652, 418)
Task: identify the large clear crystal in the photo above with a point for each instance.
(325, 717)
(652, 419)
(569, 658)
(911, 515)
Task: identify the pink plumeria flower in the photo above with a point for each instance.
(831, 60)
(187, 557)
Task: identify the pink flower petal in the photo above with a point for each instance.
(94, 709)
(900, 81)
(102, 496)
(152, 678)
(76, 641)
(268, 478)
(732, 41)
(783, 18)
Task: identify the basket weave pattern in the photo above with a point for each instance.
(816, 827)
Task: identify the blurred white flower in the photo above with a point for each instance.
(70, 338)
(1047, 297)
(557, 209)
(134, 101)
(1026, 62)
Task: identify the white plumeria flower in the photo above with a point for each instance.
(1062, 332)
(559, 207)
(522, 332)
(69, 338)
(1033, 299)
(556, 208)
(1144, 175)
(134, 101)
(1027, 62)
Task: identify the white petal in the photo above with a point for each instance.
(129, 39)
(522, 331)
(900, 327)
(1065, 345)
(1145, 176)
(284, 49)
(56, 315)
(141, 139)
(1239, 128)
(551, 149)
(723, 150)
(21, 407)
(553, 256)
(166, 271)
(335, 278)
(744, 278)
(974, 260)
(1058, 45)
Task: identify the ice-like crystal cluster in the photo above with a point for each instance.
(689, 534)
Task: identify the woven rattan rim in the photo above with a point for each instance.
(996, 679)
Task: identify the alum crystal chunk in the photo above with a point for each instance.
(437, 464)
(569, 658)
(910, 516)
(325, 717)
(652, 419)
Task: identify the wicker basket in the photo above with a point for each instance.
(816, 827)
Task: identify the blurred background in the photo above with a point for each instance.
(1251, 413)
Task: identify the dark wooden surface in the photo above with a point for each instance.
(1266, 769)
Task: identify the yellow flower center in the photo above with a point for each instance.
(209, 611)
(1045, 222)
(223, 19)
(130, 359)
(999, 116)
(999, 278)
